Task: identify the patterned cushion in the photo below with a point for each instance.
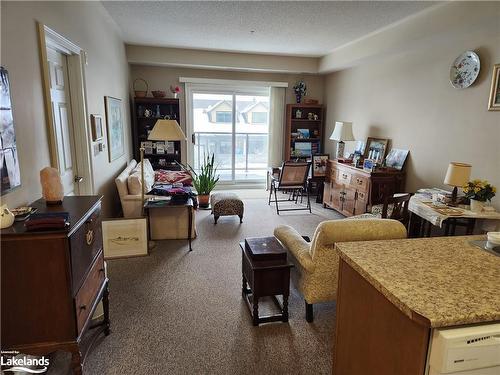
(377, 210)
(225, 204)
(171, 177)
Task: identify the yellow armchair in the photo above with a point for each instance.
(317, 262)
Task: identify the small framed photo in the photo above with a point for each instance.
(494, 102)
(319, 163)
(123, 238)
(376, 149)
(96, 125)
(360, 148)
(396, 158)
(368, 165)
(303, 133)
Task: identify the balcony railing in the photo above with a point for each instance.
(250, 152)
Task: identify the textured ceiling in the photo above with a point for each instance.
(308, 28)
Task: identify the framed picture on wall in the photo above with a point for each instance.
(494, 102)
(10, 173)
(96, 125)
(319, 162)
(376, 149)
(114, 127)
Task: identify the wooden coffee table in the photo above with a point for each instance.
(265, 277)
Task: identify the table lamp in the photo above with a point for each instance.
(342, 132)
(458, 174)
(164, 130)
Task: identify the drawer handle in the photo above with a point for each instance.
(344, 176)
(89, 221)
(360, 182)
(89, 237)
(83, 307)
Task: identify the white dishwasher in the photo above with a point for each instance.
(472, 350)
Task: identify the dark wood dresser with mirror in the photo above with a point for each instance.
(52, 282)
(352, 191)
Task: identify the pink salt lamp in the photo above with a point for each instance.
(52, 187)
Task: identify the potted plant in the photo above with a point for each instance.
(478, 192)
(205, 180)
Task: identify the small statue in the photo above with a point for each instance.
(52, 187)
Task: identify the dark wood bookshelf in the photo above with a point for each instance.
(160, 108)
(315, 127)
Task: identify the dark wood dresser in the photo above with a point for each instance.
(352, 191)
(53, 281)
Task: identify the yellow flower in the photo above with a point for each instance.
(493, 189)
(477, 189)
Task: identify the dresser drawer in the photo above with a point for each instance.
(360, 183)
(87, 293)
(343, 177)
(85, 243)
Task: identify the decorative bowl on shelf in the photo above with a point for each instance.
(158, 94)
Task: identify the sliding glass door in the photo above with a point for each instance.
(233, 124)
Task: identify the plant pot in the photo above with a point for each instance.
(204, 200)
(476, 206)
(298, 98)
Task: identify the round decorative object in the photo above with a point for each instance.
(465, 70)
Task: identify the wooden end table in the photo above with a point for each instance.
(262, 278)
(154, 204)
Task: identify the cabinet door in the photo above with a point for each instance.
(336, 194)
(327, 198)
(349, 202)
(361, 202)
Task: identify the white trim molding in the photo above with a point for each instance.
(76, 58)
(231, 82)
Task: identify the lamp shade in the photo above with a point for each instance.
(342, 132)
(458, 174)
(167, 130)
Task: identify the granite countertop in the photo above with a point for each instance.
(443, 280)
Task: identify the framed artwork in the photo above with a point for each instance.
(368, 165)
(319, 162)
(96, 124)
(360, 148)
(10, 173)
(303, 133)
(494, 102)
(303, 149)
(376, 149)
(114, 127)
(396, 158)
(124, 238)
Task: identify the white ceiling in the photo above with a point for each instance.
(307, 28)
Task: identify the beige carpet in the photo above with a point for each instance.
(176, 312)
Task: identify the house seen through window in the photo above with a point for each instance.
(259, 117)
(223, 116)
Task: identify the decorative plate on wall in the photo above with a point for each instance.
(465, 70)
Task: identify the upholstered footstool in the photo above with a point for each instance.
(226, 204)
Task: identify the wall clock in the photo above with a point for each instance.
(465, 70)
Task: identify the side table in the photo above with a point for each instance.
(261, 278)
(152, 205)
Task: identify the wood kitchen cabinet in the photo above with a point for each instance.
(352, 191)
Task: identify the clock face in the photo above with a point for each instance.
(465, 70)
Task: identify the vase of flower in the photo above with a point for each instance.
(300, 90)
(479, 192)
(476, 206)
(175, 90)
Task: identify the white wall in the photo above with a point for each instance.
(88, 25)
(408, 98)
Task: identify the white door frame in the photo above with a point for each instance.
(76, 58)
